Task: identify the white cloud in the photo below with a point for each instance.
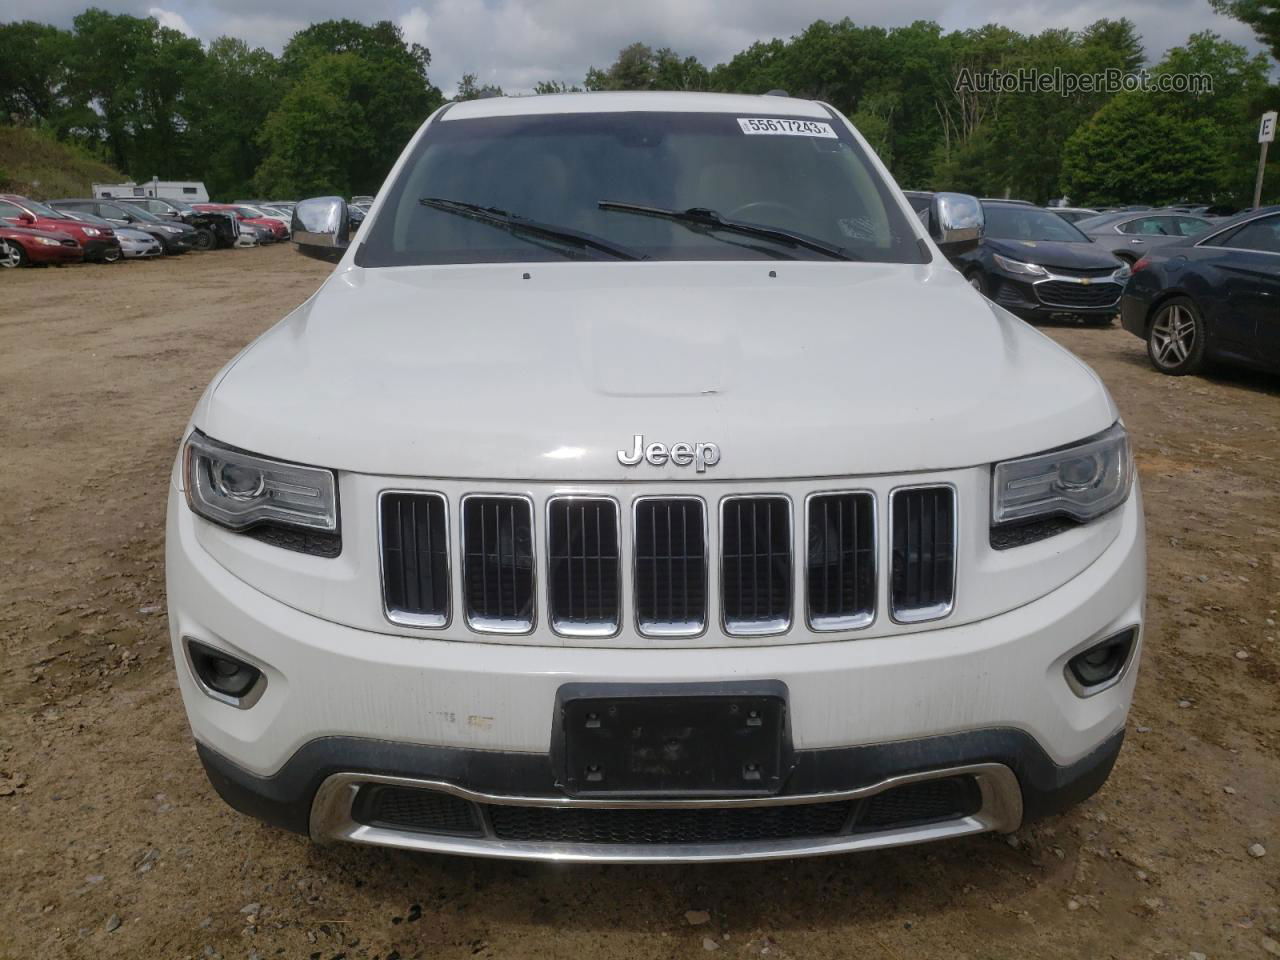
(174, 21)
(415, 22)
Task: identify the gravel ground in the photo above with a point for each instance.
(115, 844)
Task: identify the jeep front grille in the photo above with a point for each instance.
(755, 564)
(923, 521)
(670, 549)
(415, 558)
(841, 571)
(497, 563)
(583, 566)
(665, 546)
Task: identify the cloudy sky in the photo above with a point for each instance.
(515, 43)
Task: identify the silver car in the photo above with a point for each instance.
(1132, 233)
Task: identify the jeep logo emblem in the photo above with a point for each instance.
(701, 455)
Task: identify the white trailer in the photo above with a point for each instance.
(192, 191)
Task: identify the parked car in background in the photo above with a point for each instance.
(244, 214)
(1212, 297)
(98, 243)
(258, 212)
(1073, 214)
(174, 236)
(21, 246)
(212, 229)
(1037, 265)
(1130, 235)
(133, 243)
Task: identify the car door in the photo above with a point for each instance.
(1147, 233)
(1247, 263)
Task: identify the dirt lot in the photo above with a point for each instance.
(115, 845)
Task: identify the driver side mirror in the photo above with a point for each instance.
(321, 227)
(956, 222)
(25, 217)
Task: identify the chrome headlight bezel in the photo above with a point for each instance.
(1053, 484)
(262, 491)
(1019, 268)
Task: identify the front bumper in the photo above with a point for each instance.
(39, 253)
(96, 249)
(343, 707)
(1055, 295)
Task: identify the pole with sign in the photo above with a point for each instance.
(1266, 134)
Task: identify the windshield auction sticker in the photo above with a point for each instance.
(787, 128)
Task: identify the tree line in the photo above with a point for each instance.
(333, 111)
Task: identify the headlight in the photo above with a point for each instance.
(170, 229)
(238, 489)
(91, 231)
(47, 241)
(1082, 481)
(1018, 267)
(1123, 274)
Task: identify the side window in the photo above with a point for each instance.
(1262, 235)
(1130, 227)
(1191, 226)
(190, 190)
(8, 209)
(1150, 226)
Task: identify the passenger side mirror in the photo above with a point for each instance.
(956, 222)
(321, 227)
(25, 217)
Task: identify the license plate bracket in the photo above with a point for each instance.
(678, 740)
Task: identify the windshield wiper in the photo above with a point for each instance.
(710, 220)
(516, 225)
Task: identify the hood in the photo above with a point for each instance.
(59, 235)
(822, 370)
(1068, 256)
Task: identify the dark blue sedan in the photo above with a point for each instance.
(1212, 297)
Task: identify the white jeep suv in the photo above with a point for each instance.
(645, 485)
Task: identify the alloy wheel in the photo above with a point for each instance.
(10, 255)
(1173, 335)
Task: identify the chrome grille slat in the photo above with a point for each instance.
(415, 558)
(669, 548)
(583, 552)
(498, 563)
(923, 536)
(755, 545)
(841, 562)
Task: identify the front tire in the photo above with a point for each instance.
(112, 254)
(204, 239)
(977, 281)
(12, 255)
(1176, 338)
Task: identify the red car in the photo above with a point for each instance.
(278, 229)
(98, 243)
(22, 245)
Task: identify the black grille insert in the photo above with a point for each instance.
(497, 563)
(415, 558)
(679, 826)
(670, 566)
(842, 562)
(1063, 293)
(432, 812)
(583, 565)
(422, 811)
(755, 564)
(925, 802)
(924, 553)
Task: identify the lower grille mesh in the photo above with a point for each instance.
(428, 811)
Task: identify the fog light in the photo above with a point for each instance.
(1100, 666)
(223, 676)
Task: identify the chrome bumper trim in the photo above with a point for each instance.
(331, 820)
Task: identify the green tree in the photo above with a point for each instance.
(470, 88)
(1132, 151)
(34, 67)
(1262, 15)
(226, 128)
(640, 67)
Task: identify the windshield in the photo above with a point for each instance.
(802, 176)
(137, 209)
(1016, 222)
(40, 210)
